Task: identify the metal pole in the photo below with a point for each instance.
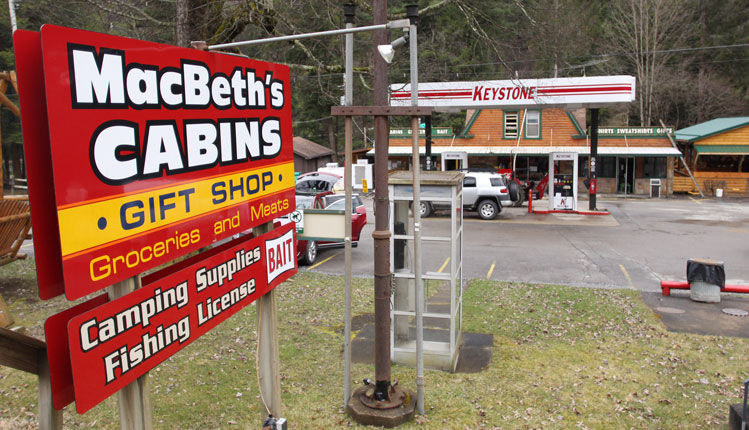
(401, 23)
(349, 14)
(12, 6)
(412, 12)
(593, 187)
(428, 142)
(381, 235)
(134, 399)
(683, 161)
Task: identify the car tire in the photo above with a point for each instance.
(487, 209)
(426, 209)
(310, 253)
(514, 190)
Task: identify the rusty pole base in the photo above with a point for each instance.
(393, 413)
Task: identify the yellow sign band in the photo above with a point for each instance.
(97, 223)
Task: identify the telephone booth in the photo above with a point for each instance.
(563, 181)
(441, 265)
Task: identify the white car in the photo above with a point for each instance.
(483, 192)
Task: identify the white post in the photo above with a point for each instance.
(269, 364)
(12, 7)
(416, 163)
(348, 101)
(49, 418)
(134, 399)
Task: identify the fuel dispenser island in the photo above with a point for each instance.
(442, 270)
(563, 179)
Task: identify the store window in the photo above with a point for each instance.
(719, 163)
(606, 167)
(510, 129)
(654, 167)
(533, 124)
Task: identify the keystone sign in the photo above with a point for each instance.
(593, 91)
(155, 151)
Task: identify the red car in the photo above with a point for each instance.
(307, 250)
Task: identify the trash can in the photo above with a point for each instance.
(719, 193)
(706, 279)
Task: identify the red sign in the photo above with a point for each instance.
(156, 151)
(36, 153)
(114, 344)
(58, 351)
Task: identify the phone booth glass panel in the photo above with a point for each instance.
(441, 266)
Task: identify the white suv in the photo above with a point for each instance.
(483, 192)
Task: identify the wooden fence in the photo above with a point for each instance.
(732, 183)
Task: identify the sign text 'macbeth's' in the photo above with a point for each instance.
(105, 81)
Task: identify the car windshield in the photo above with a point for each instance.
(304, 202)
(337, 205)
(315, 183)
(330, 199)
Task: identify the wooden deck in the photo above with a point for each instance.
(733, 183)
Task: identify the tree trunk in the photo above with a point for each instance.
(181, 36)
(332, 138)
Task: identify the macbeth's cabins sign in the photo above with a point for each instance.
(155, 151)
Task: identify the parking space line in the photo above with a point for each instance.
(631, 285)
(447, 260)
(695, 200)
(491, 269)
(326, 260)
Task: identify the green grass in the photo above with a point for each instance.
(563, 358)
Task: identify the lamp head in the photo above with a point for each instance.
(386, 52)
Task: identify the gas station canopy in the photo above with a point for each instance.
(569, 93)
(632, 151)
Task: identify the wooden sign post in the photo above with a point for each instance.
(29, 354)
(153, 152)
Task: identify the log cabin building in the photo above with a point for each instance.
(716, 152)
(629, 157)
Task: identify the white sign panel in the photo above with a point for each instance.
(563, 155)
(592, 91)
(279, 253)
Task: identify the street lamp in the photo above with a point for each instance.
(388, 51)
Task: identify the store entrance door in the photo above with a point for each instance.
(625, 177)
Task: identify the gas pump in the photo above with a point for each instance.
(563, 179)
(454, 160)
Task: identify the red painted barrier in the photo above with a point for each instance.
(530, 200)
(667, 286)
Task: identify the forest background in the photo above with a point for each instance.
(690, 57)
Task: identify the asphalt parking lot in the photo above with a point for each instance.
(641, 242)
